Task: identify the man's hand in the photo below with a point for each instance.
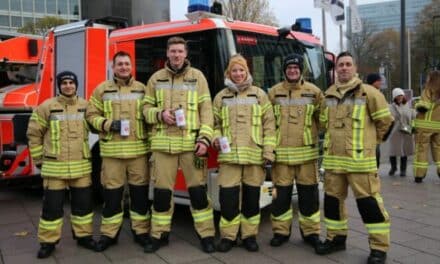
(216, 144)
(168, 117)
(200, 150)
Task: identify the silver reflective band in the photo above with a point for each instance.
(347, 101)
(298, 101)
(183, 87)
(122, 97)
(239, 101)
(67, 117)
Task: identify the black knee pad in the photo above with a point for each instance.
(81, 200)
(53, 201)
(331, 207)
(229, 202)
(282, 202)
(198, 196)
(112, 201)
(139, 202)
(250, 201)
(308, 199)
(162, 200)
(369, 210)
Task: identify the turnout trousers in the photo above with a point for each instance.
(165, 167)
(240, 199)
(425, 140)
(366, 188)
(81, 218)
(305, 177)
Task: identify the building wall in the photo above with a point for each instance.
(16, 13)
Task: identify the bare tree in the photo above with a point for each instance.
(257, 11)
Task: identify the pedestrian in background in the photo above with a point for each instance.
(401, 141)
(375, 80)
(58, 141)
(427, 126)
(245, 123)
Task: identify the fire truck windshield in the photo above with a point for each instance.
(16, 74)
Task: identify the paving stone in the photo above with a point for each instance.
(418, 258)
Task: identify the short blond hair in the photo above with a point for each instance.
(236, 59)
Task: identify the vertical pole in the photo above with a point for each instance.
(341, 39)
(402, 45)
(409, 59)
(324, 30)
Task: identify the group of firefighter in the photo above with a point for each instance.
(174, 118)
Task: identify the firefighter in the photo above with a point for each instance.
(244, 121)
(115, 111)
(58, 142)
(356, 117)
(427, 126)
(179, 108)
(296, 105)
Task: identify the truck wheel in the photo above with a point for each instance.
(96, 175)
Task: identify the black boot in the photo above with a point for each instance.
(329, 246)
(154, 244)
(104, 242)
(377, 257)
(250, 244)
(207, 244)
(393, 162)
(142, 239)
(312, 240)
(86, 242)
(418, 179)
(278, 240)
(46, 250)
(403, 161)
(225, 245)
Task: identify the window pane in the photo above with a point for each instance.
(74, 7)
(51, 6)
(27, 20)
(39, 6)
(62, 7)
(15, 5)
(4, 5)
(28, 6)
(16, 21)
(4, 21)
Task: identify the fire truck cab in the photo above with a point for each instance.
(87, 49)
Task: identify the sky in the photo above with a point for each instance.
(286, 11)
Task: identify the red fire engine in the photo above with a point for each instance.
(28, 67)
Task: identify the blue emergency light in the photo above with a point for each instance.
(305, 24)
(198, 5)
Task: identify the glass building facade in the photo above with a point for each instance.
(386, 15)
(16, 13)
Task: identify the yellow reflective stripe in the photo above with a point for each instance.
(283, 217)
(269, 141)
(172, 143)
(149, 99)
(253, 220)
(192, 110)
(225, 122)
(310, 109)
(314, 218)
(97, 103)
(161, 219)
(256, 123)
(38, 119)
(381, 228)
(159, 102)
(349, 164)
(55, 136)
(335, 224)
(323, 117)
(225, 223)
(108, 109)
(206, 131)
(116, 219)
(86, 149)
(204, 97)
(152, 115)
(81, 220)
(381, 113)
(293, 155)
(50, 225)
(419, 123)
(66, 168)
(123, 148)
(277, 114)
(420, 164)
(358, 123)
(203, 215)
(36, 151)
(265, 107)
(423, 104)
(139, 217)
(242, 155)
(97, 122)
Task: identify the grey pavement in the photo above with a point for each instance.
(415, 232)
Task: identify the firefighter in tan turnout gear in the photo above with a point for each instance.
(58, 140)
(178, 105)
(356, 117)
(115, 110)
(245, 135)
(296, 105)
(427, 126)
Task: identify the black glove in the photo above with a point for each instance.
(421, 110)
(115, 126)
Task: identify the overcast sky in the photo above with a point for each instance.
(286, 11)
